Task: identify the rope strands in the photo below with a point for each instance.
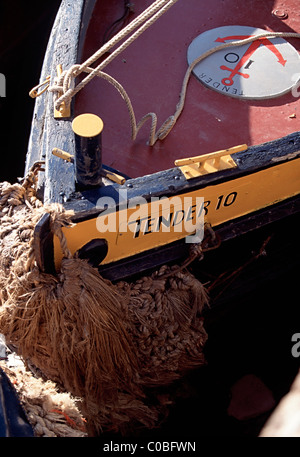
(111, 345)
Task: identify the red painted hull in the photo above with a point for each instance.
(152, 69)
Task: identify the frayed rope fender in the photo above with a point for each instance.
(107, 344)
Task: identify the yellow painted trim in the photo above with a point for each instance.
(222, 202)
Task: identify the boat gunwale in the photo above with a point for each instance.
(172, 182)
(59, 180)
(46, 131)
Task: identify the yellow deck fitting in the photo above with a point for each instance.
(87, 125)
(63, 155)
(34, 93)
(113, 176)
(193, 167)
(106, 173)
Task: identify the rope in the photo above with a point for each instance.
(51, 413)
(111, 345)
(143, 21)
(156, 10)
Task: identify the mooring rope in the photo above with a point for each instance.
(143, 21)
(63, 86)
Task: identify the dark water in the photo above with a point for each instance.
(24, 33)
(250, 326)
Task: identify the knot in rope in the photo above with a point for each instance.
(63, 85)
(196, 251)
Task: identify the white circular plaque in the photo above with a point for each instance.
(265, 68)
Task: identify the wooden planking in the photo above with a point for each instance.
(47, 132)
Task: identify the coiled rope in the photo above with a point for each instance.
(64, 84)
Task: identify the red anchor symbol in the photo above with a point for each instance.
(250, 51)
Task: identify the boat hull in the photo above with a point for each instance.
(125, 220)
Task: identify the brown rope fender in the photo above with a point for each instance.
(109, 344)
